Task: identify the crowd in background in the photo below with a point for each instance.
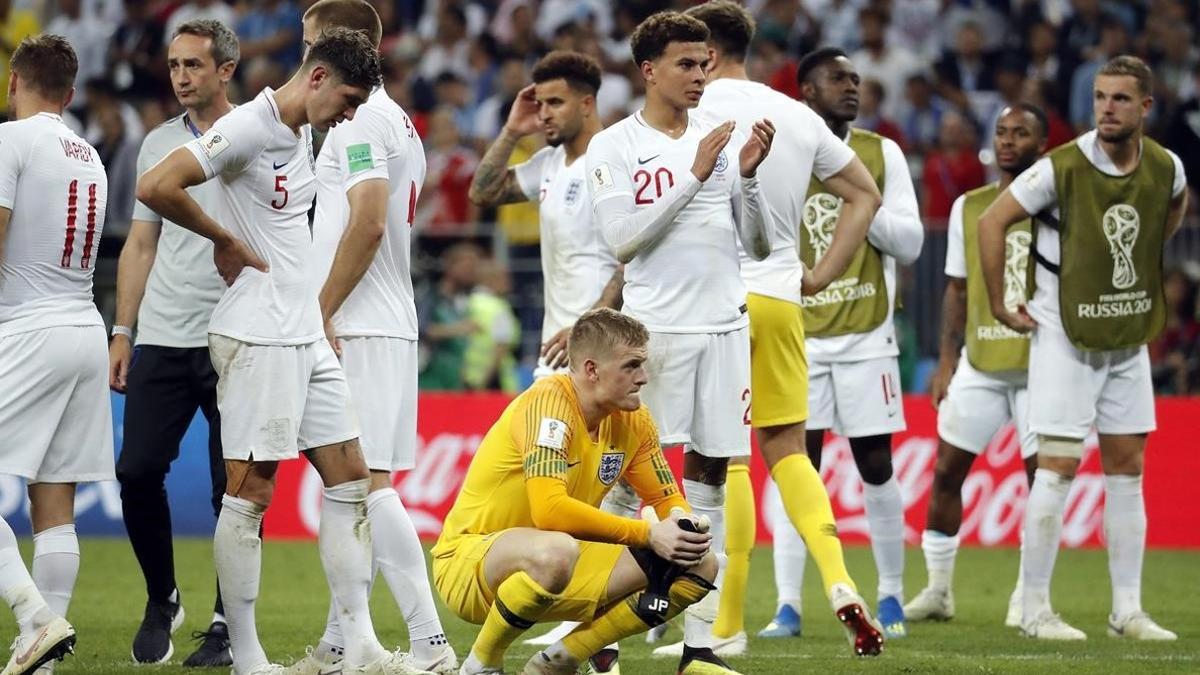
(936, 74)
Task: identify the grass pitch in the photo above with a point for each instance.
(109, 599)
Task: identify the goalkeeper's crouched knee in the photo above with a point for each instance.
(670, 588)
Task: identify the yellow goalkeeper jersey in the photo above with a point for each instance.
(538, 467)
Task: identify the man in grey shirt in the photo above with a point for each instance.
(167, 280)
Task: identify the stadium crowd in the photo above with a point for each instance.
(936, 75)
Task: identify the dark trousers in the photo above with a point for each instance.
(165, 387)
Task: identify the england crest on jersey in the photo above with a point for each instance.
(610, 466)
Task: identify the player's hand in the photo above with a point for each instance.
(554, 351)
(1018, 320)
(671, 542)
(757, 147)
(120, 354)
(331, 335)
(231, 255)
(814, 280)
(939, 384)
(710, 149)
(523, 116)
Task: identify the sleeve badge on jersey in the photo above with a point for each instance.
(213, 143)
(602, 179)
(552, 433)
(610, 467)
(358, 157)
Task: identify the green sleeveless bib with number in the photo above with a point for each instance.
(991, 346)
(856, 302)
(1111, 230)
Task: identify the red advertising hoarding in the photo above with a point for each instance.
(451, 426)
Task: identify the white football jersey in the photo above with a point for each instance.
(1036, 192)
(803, 147)
(380, 142)
(55, 186)
(576, 261)
(267, 186)
(688, 281)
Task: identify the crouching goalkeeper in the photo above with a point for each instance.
(525, 542)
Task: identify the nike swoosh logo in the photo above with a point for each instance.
(24, 657)
(643, 161)
(280, 165)
(571, 464)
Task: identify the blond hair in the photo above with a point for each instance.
(600, 332)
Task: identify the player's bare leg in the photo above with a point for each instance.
(397, 553)
(1121, 457)
(785, 450)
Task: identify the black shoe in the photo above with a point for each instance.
(703, 655)
(152, 644)
(605, 661)
(214, 648)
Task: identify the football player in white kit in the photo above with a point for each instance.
(980, 381)
(55, 415)
(803, 146)
(579, 268)
(369, 175)
(280, 389)
(854, 378)
(1104, 204)
(673, 206)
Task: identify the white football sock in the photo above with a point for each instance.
(344, 540)
(333, 632)
(885, 523)
(237, 553)
(1125, 531)
(940, 550)
(398, 554)
(56, 565)
(622, 501)
(706, 500)
(17, 587)
(1043, 528)
(789, 557)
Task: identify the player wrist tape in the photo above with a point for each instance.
(122, 330)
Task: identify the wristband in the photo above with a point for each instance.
(122, 330)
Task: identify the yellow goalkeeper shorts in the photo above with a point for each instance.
(778, 365)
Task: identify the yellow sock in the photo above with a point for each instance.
(807, 505)
(520, 602)
(622, 619)
(739, 541)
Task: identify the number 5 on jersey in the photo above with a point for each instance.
(280, 189)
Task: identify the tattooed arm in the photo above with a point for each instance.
(495, 183)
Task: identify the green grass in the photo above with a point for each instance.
(109, 599)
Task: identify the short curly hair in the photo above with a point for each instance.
(731, 25)
(580, 71)
(350, 54)
(651, 37)
(47, 64)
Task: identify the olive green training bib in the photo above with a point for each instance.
(1111, 230)
(857, 301)
(991, 346)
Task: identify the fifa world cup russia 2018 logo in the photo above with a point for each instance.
(1121, 225)
(820, 215)
(1016, 268)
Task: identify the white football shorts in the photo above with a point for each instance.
(699, 391)
(1071, 389)
(276, 400)
(978, 404)
(382, 374)
(55, 411)
(857, 398)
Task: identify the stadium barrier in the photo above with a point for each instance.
(452, 425)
